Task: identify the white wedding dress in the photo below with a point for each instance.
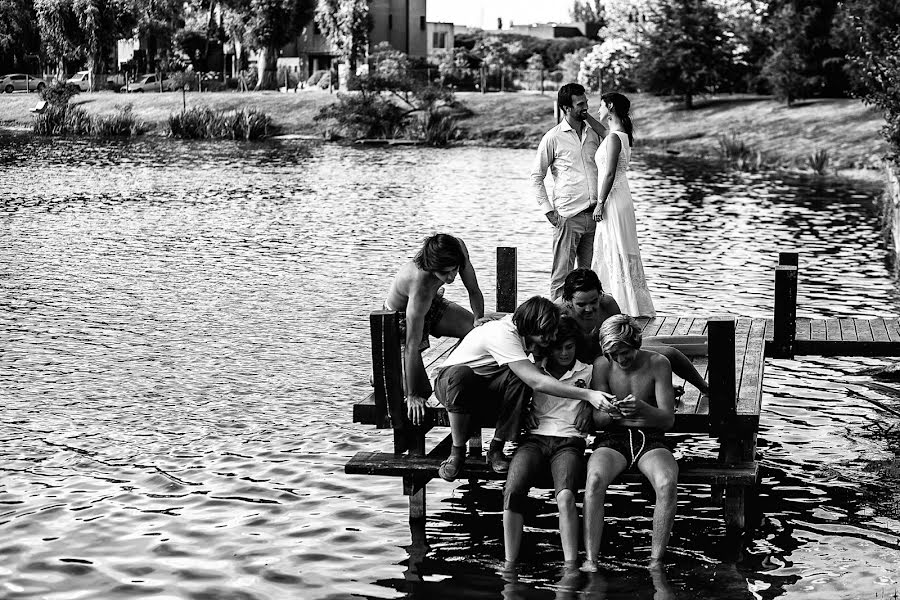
(617, 256)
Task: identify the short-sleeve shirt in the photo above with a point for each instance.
(556, 416)
(489, 347)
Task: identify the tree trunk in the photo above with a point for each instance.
(689, 101)
(267, 70)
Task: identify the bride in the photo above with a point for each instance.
(617, 256)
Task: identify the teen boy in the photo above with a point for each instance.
(416, 294)
(633, 432)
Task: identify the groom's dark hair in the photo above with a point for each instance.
(564, 97)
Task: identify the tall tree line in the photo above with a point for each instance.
(61, 32)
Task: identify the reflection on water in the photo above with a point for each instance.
(183, 331)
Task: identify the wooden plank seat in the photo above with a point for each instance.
(733, 367)
(692, 470)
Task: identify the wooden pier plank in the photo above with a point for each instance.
(741, 338)
(817, 330)
(803, 329)
(652, 326)
(698, 327)
(848, 330)
(863, 330)
(833, 330)
(879, 330)
(749, 396)
(683, 326)
(667, 326)
(893, 329)
(691, 399)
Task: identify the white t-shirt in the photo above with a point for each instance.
(556, 416)
(489, 347)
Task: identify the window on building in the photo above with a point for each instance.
(390, 21)
(439, 39)
(422, 22)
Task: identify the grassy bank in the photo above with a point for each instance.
(846, 129)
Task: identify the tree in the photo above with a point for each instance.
(685, 52)
(609, 66)
(18, 34)
(570, 65)
(61, 37)
(875, 60)
(587, 11)
(272, 24)
(787, 68)
(346, 24)
(160, 20)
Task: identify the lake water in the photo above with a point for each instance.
(183, 331)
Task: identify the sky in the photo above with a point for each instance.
(484, 13)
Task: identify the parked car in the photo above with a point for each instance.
(146, 83)
(18, 82)
(83, 80)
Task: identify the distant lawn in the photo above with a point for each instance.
(847, 129)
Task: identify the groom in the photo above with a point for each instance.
(568, 151)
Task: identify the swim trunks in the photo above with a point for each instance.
(632, 443)
(432, 317)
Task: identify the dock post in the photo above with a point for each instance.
(722, 410)
(785, 326)
(387, 368)
(507, 286)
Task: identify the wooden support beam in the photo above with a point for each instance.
(387, 369)
(785, 327)
(507, 286)
(721, 371)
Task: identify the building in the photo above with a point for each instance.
(401, 23)
(440, 37)
(549, 31)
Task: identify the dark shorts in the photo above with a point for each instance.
(432, 317)
(501, 397)
(565, 457)
(633, 447)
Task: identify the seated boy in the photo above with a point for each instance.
(642, 382)
(552, 440)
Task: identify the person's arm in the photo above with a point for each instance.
(545, 155)
(609, 175)
(531, 376)
(476, 298)
(600, 381)
(418, 388)
(596, 123)
(662, 416)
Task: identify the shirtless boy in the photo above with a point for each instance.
(633, 432)
(415, 293)
(584, 300)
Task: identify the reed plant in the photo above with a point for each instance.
(439, 128)
(203, 123)
(66, 119)
(818, 161)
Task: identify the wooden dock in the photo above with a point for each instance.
(734, 367)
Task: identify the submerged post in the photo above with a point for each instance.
(785, 312)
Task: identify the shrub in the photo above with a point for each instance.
(201, 123)
(818, 161)
(364, 115)
(315, 78)
(59, 93)
(74, 120)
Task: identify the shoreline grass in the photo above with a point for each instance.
(845, 130)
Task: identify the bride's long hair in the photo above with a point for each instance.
(621, 105)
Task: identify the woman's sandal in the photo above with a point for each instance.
(450, 468)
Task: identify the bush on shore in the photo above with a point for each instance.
(64, 119)
(203, 123)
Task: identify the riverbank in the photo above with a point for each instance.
(844, 128)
